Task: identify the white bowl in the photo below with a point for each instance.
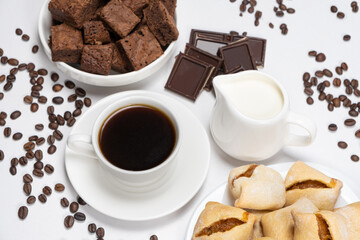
(119, 79)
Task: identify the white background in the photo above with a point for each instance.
(312, 27)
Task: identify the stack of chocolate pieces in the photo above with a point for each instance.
(122, 35)
(209, 54)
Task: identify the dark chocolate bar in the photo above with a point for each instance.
(189, 76)
(257, 47)
(237, 56)
(211, 41)
(204, 56)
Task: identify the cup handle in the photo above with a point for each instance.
(304, 122)
(81, 144)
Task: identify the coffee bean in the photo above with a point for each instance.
(87, 102)
(309, 100)
(154, 237)
(342, 144)
(2, 122)
(92, 227)
(81, 201)
(22, 66)
(30, 67)
(79, 104)
(23, 212)
(42, 198)
(38, 173)
(74, 207)
(34, 107)
(38, 155)
(79, 216)
(337, 82)
(327, 73)
(320, 57)
(80, 92)
(100, 232)
(57, 87)
(51, 139)
(27, 178)
(69, 221)
(60, 120)
(35, 94)
(271, 25)
(54, 77)
(330, 107)
(40, 81)
(58, 135)
(350, 122)
(50, 110)
(52, 118)
(353, 113)
(64, 202)
(72, 98)
(71, 121)
(354, 83)
(357, 92)
(53, 125)
(37, 88)
(7, 132)
(35, 49)
(4, 60)
(333, 127)
(336, 102)
(312, 53)
(49, 169)
(17, 136)
(33, 138)
(306, 76)
(347, 37)
(1, 96)
(42, 72)
(58, 100)
(59, 187)
(8, 86)
(42, 99)
(319, 74)
(29, 146)
(13, 62)
(355, 158)
(38, 165)
(69, 84)
(340, 15)
(25, 37)
(34, 74)
(39, 126)
(28, 99)
(290, 10)
(31, 200)
(27, 189)
(23, 161)
(333, 9)
(14, 162)
(77, 112)
(10, 78)
(14, 115)
(51, 150)
(18, 32)
(30, 154)
(3, 115)
(357, 133)
(2, 78)
(47, 190)
(344, 66)
(13, 170)
(2, 155)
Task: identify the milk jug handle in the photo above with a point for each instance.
(305, 123)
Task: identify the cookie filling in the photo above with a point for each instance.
(248, 173)
(220, 226)
(307, 184)
(324, 233)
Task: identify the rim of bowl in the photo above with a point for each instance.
(122, 78)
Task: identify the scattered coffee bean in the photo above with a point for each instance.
(81, 201)
(87, 102)
(340, 15)
(42, 72)
(33, 138)
(312, 53)
(58, 135)
(38, 155)
(53, 125)
(336, 102)
(31, 200)
(69, 84)
(38, 173)
(154, 237)
(54, 77)
(58, 100)
(92, 227)
(2, 122)
(14, 115)
(27, 178)
(34, 107)
(271, 25)
(330, 107)
(23, 212)
(13, 170)
(353, 113)
(72, 98)
(64, 202)
(35, 49)
(347, 37)
(42, 198)
(51, 139)
(69, 221)
(342, 144)
(47, 190)
(14, 162)
(320, 57)
(79, 216)
(51, 149)
(77, 112)
(344, 66)
(18, 31)
(30, 154)
(74, 207)
(60, 120)
(2, 155)
(79, 104)
(100, 232)
(14, 71)
(71, 121)
(29, 146)
(310, 100)
(27, 189)
(39, 126)
(38, 165)
(59, 187)
(8, 86)
(357, 133)
(25, 37)
(4, 60)
(80, 92)
(17, 136)
(2, 78)
(337, 82)
(49, 169)
(350, 122)
(333, 9)
(7, 132)
(355, 158)
(306, 76)
(23, 161)
(28, 99)
(42, 99)
(57, 87)
(13, 62)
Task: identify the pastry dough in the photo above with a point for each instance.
(351, 213)
(265, 238)
(305, 181)
(323, 225)
(222, 222)
(258, 232)
(279, 224)
(257, 187)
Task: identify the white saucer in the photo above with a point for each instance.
(222, 193)
(189, 174)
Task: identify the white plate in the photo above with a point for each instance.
(222, 193)
(182, 185)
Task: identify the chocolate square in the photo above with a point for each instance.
(188, 76)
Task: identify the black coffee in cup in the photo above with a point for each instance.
(137, 137)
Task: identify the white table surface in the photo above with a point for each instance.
(313, 26)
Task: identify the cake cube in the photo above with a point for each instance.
(141, 48)
(95, 33)
(170, 6)
(161, 23)
(73, 12)
(119, 17)
(66, 43)
(97, 59)
(119, 61)
(137, 6)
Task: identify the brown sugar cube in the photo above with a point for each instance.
(161, 23)
(119, 17)
(97, 59)
(137, 6)
(66, 44)
(73, 12)
(119, 61)
(170, 6)
(141, 48)
(95, 33)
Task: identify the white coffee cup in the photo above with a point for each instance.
(133, 181)
(251, 117)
